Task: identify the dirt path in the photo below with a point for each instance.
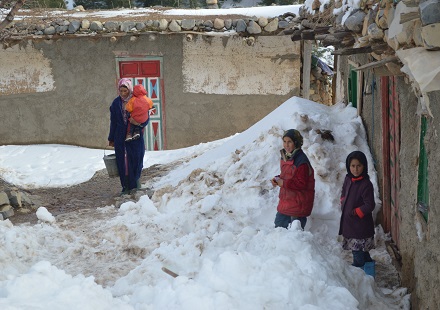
(99, 191)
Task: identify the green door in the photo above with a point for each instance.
(353, 87)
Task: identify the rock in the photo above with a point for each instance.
(272, 25)
(228, 24)
(188, 24)
(431, 37)
(96, 26)
(140, 26)
(21, 25)
(79, 8)
(219, 23)
(4, 199)
(127, 26)
(355, 21)
(375, 32)
(262, 21)
(6, 211)
(111, 26)
(74, 26)
(430, 12)
(174, 26)
(14, 198)
(283, 24)
(85, 24)
(208, 23)
(241, 26)
(163, 24)
(49, 30)
(253, 28)
(61, 29)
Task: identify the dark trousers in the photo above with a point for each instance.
(282, 220)
(360, 258)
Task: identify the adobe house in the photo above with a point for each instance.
(387, 62)
(209, 78)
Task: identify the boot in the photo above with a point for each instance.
(370, 268)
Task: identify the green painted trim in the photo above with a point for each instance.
(422, 185)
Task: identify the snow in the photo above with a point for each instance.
(263, 11)
(210, 221)
(44, 215)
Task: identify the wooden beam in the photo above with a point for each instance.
(376, 64)
(286, 32)
(335, 39)
(308, 35)
(307, 67)
(352, 51)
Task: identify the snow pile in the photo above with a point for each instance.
(210, 221)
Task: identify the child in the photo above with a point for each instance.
(357, 204)
(296, 182)
(138, 106)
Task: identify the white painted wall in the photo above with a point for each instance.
(270, 67)
(24, 70)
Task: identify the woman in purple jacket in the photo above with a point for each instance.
(357, 204)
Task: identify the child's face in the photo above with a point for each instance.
(288, 144)
(356, 167)
(123, 92)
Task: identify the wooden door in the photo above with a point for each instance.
(391, 151)
(148, 72)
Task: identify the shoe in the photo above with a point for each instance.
(135, 136)
(124, 192)
(370, 268)
(128, 138)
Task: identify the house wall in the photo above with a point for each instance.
(60, 90)
(419, 241)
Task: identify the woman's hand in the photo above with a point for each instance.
(131, 120)
(111, 143)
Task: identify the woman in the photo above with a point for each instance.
(129, 156)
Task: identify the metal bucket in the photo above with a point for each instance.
(110, 165)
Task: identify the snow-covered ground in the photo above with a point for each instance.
(210, 221)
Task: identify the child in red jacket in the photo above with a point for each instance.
(138, 106)
(296, 182)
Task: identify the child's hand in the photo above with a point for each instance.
(276, 181)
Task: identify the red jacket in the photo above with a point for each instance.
(139, 104)
(298, 191)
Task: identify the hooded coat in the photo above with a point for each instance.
(139, 104)
(357, 202)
